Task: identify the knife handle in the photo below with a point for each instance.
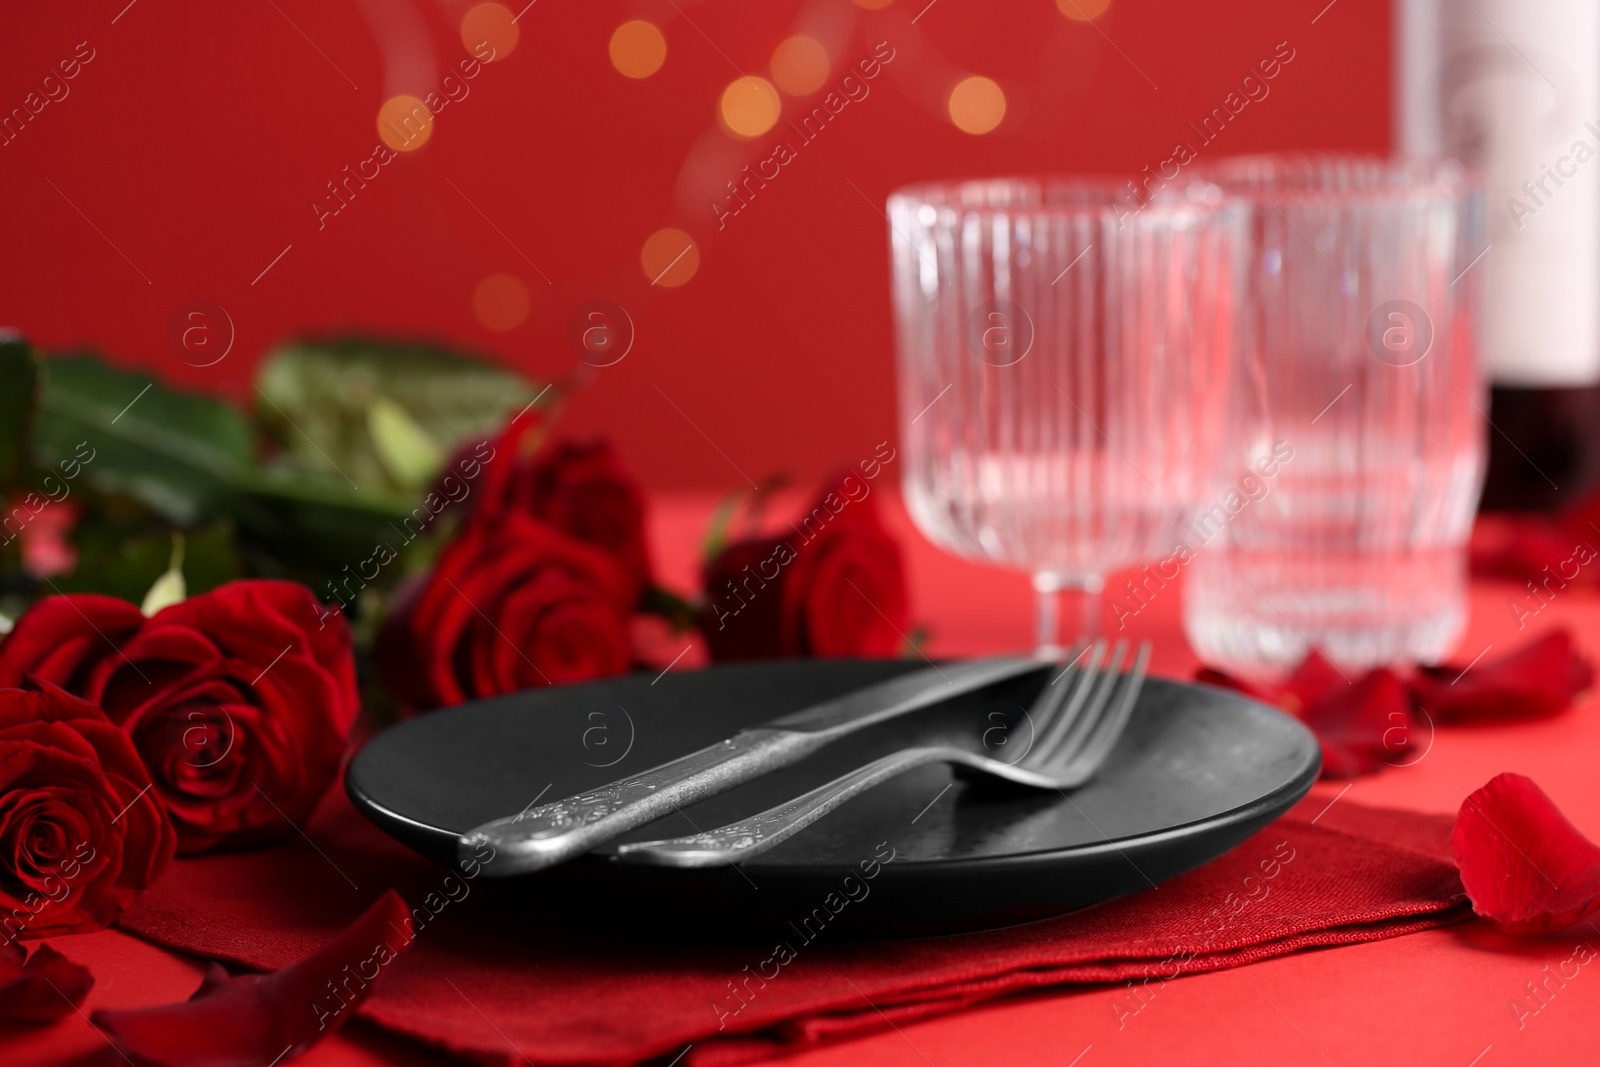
(563, 829)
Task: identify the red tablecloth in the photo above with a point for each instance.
(1441, 996)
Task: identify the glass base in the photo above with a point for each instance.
(1358, 611)
(1264, 647)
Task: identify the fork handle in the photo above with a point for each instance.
(739, 841)
(555, 832)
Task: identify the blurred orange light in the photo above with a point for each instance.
(638, 49)
(874, 5)
(501, 302)
(491, 24)
(405, 123)
(800, 66)
(1083, 10)
(750, 107)
(977, 105)
(669, 258)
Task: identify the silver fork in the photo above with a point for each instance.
(1076, 721)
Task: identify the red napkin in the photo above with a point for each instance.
(496, 978)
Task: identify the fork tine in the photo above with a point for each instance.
(1071, 742)
(1042, 713)
(1067, 662)
(1055, 712)
(1095, 750)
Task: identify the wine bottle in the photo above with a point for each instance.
(1512, 87)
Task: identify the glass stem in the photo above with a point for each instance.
(1049, 590)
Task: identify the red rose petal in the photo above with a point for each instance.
(857, 604)
(1314, 679)
(60, 638)
(251, 1019)
(1538, 680)
(502, 486)
(578, 487)
(570, 636)
(1526, 868)
(258, 620)
(583, 489)
(1363, 726)
(45, 989)
(233, 771)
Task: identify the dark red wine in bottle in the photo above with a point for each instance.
(1544, 447)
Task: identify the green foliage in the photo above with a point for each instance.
(316, 399)
(410, 456)
(748, 506)
(343, 440)
(717, 529)
(123, 557)
(670, 606)
(19, 395)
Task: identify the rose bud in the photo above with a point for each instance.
(80, 830)
(511, 604)
(239, 700)
(835, 587)
(581, 489)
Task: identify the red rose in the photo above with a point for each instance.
(835, 588)
(579, 488)
(238, 700)
(78, 834)
(511, 604)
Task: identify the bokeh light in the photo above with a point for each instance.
(501, 302)
(874, 5)
(750, 107)
(800, 66)
(669, 258)
(1082, 10)
(491, 24)
(638, 49)
(977, 105)
(405, 123)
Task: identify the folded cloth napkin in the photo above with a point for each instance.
(493, 977)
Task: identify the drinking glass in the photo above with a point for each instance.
(1362, 380)
(1065, 354)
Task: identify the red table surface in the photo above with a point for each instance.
(1443, 996)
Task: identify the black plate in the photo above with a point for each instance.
(1198, 770)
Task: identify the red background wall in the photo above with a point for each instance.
(199, 135)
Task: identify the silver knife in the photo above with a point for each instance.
(563, 829)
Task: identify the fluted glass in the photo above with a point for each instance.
(1363, 377)
(1065, 355)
